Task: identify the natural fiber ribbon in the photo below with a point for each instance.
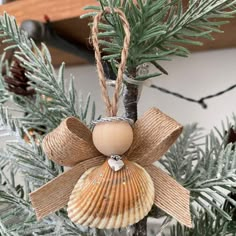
(71, 144)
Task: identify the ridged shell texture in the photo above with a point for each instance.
(105, 199)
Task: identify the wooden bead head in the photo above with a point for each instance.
(113, 137)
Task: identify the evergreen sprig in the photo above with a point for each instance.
(204, 226)
(53, 101)
(4, 68)
(208, 171)
(159, 28)
(16, 213)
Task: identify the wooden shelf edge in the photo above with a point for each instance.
(64, 15)
(56, 10)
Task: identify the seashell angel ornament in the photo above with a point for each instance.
(113, 182)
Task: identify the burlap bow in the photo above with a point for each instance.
(71, 144)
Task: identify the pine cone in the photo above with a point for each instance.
(18, 82)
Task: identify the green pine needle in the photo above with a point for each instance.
(160, 27)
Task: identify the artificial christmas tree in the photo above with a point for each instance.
(158, 29)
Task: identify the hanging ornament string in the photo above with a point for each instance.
(111, 106)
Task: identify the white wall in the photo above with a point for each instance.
(198, 75)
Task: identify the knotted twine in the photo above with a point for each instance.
(70, 144)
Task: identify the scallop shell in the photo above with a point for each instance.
(105, 199)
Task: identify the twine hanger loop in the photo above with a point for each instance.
(111, 105)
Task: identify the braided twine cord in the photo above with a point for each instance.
(111, 106)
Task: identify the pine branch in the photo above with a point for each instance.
(16, 213)
(160, 28)
(4, 68)
(205, 226)
(33, 164)
(53, 101)
(14, 209)
(208, 172)
(18, 217)
(4, 231)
